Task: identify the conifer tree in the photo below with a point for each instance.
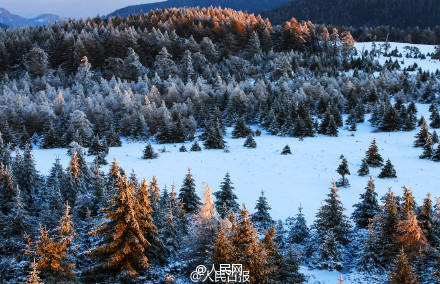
(128, 236)
(273, 254)
(214, 137)
(286, 150)
(164, 134)
(299, 232)
(331, 217)
(343, 171)
(388, 170)
(402, 271)
(50, 137)
(436, 154)
(280, 235)
(391, 120)
(5, 152)
(75, 184)
(408, 203)
(223, 250)
(369, 259)
(183, 149)
(426, 219)
(226, 200)
(411, 236)
(388, 221)
(34, 277)
(435, 138)
(241, 130)
(367, 208)
(250, 142)
(247, 248)
(149, 152)
(330, 253)
(112, 138)
(332, 128)
(261, 218)
(422, 135)
(204, 228)
(435, 119)
(288, 272)
(8, 136)
(428, 150)
(364, 169)
(195, 147)
(373, 158)
(188, 195)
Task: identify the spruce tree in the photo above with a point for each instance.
(388, 221)
(286, 150)
(128, 236)
(188, 195)
(226, 200)
(364, 169)
(50, 137)
(343, 171)
(34, 277)
(299, 232)
(183, 149)
(388, 170)
(261, 218)
(373, 158)
(391, 120)
(195, 147)
(214, 137)
(250, 142)
(435, 138)
(426, 219)
(164, 134)
(330, 253)
(149, 152)
(331, 217)
(436, 154)
(402, 271)
(241, 130)
(435, 119)
(288, 271)
(5, 152)
(223, 250)
(369, 259)
(410, 236)
(112, 138)
(332, 128)
(422, 135)
(367, 208)
(428, 150)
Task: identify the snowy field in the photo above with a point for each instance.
(427, 64)
(303, 178)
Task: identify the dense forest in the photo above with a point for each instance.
(178, 75)
(358, 13)
(252, 6)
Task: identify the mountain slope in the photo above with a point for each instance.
(11, 20)
(251, 6)
(399, 13)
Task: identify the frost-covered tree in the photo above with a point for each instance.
(149, 152)
(343, 171)
(299, 232)
(250, 142)
(261, 218)
(367, 208)
(286, 150)
(188, 195)
(364, 169)
(241, 130)
(373, 158)
(388, 170)
(422, 135)
(226, 199)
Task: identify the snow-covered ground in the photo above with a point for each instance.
(427, 64)
(302, 178)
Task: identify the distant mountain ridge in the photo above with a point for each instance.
(12, 20)
(358, 13)
(251, 6)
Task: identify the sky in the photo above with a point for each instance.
(67, 8)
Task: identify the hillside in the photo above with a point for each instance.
(11, 20)
(251, 6)
(400, 13)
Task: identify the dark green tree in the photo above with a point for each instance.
(149, 152)
(241, 130)
(364, 169)
(286, 150)
(188, 196)
(343, 171)
(373, 158)
(250, 142)
(388, 170)
(261, 218)
(195, 147)
(367, 208)
(226, 200)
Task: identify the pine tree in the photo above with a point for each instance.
(364, 169)
(273, 254)
(247, 248)
(435, 119)
(241, 130)
(391, 120)
(204, 228)
(369, 259)
(195, 147)
(436, 154)
(367, 208)
(5, 152)
(149, 152)
(261, 218)
(343, 171)
(428, 150)
(188, 194)
(388, 221)
(422, 136)
(373, 158)
(331, 217)
(286, 150)
(34, 277)
(426, 219)
(112, 138)
(214, 137)
(332, 128)
(299, 232)
(388, 170)
(288, 272)
(280, 235)
(402, 271)
(330, 252)
(435, 138)
(76, 183)
(128, 236)
(411, 236)
(226, 198)
(50, 137)
(28, 179)
(223, 251)
(183, 149)
(250, 142)
(164, 134)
